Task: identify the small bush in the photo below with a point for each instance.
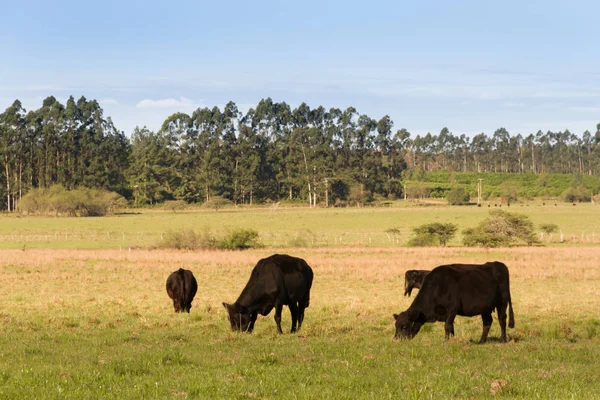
(240, 239)
(81, 202)
(188, 240)
(501, 229)
(174, 205)
(576, 194)
(458, 196)
(548, 228)
(435, 234)
(217, 202)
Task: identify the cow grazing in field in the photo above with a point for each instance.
(413, 278)
(460, 289)
(275, 281)
(182, 287)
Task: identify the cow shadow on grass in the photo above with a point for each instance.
(493, 339)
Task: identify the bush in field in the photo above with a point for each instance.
(240, 239)
(576, 194)
(417, 191)
(217, 202)
(501, 229)
(435, 234)
(174, 205)
(80, 202)
(548, 228)
(509, 191)
(458, 196)
(188, 240)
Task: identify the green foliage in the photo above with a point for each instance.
(81, 202)
(509, 191)
(239, 239)
(501, 229)
(434, 234)
(548, 228)
(174, 205)
(217, 202)
(458, 196)
(576, 194)
(417, 191)
(187, 239)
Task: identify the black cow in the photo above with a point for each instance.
(182, 287)
(275, 281)
(413, 278)
(460, 289)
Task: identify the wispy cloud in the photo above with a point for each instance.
(182, 102)
(109, 102)
(585, 109)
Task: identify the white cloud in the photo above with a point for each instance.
(183, 102)
(585, 109)
(109, 102)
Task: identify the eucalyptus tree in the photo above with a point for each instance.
(12, 136)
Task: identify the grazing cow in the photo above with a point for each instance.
(182, 287)
(460, 289)
(413, 278)
(275, 281)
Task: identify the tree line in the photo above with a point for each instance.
(272, 152)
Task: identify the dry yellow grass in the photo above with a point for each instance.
(545, 282)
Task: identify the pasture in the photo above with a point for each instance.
(83, 324)
(288, 227)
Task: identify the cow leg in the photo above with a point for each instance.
(253, 317)
(487, 323)
(502, 321)
(278, 309)
(449, 325)
(294, 312)
(300, 315)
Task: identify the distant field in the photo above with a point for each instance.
(283, 227)
(88, 324)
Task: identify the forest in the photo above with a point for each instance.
(273, 152)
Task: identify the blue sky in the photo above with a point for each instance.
(471, 66)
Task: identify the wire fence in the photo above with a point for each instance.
(270, 239)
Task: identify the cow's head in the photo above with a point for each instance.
(178, 305)
(408, 324)
(239, 317)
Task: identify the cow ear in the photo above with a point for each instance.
(395, 316)
(226, 305)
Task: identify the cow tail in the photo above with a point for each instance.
(511, 315)
(182, 300)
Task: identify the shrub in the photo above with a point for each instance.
(80, 202)
(509, 191)
(190, 240)
(501, 229)
(435, 234)
(458, 196)
(217, 202)
(548, 228)
(417, 191)
(240, 239)
(174, 205)
(576, 194)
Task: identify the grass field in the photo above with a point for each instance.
(89, 324)
(283, 227)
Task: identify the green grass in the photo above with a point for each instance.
(285, 227)
(98, 324)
